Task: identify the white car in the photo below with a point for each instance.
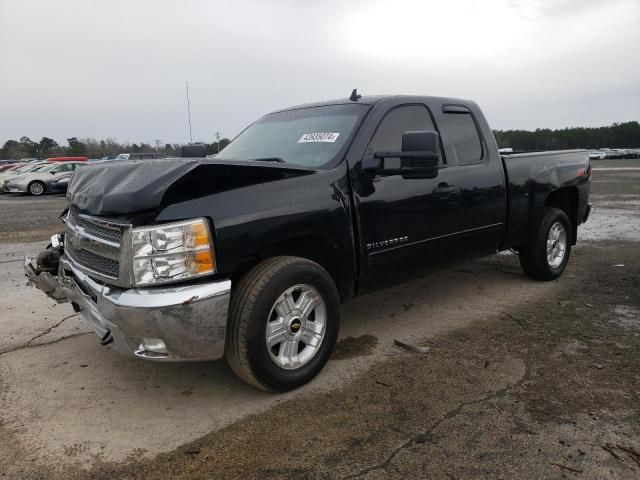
(27, 168)
(38, 181)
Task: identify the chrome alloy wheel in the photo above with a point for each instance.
(556, 245)
(296, 326)
(36, 188)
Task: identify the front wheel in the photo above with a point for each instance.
(546, 255)
(36, 188)
(283, 323)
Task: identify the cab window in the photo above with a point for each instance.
(388, 136)
(464, 137)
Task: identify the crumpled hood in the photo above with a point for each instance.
(129, 186)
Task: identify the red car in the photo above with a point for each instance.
(8, 166)
(67, 159)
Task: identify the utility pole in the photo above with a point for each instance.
(218, 142)
(189, 114)
(157, 140)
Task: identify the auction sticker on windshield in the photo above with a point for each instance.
(329, 137)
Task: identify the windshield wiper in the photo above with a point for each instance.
(268, 159)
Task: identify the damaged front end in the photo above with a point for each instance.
(42, 272)
(182, 322)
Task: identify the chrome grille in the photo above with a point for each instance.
(94, 245)
(98, 230)
(93, 261)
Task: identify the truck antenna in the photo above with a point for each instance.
(354, 95)
(189, 114)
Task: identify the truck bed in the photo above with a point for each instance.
(531, 177)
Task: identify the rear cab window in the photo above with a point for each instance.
(463, 135)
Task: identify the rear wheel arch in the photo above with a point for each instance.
(566, 199)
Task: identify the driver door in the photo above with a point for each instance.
(408, 225)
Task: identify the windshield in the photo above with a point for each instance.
(28, 169)
(310, 137)
(46, 168)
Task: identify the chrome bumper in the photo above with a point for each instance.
(190, 321)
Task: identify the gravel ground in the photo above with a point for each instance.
(523, 379)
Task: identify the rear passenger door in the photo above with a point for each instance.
(408, 225)
(481, 179)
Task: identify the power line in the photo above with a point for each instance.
(189, 114)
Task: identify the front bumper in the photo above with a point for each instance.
(14, 187)
(190, 321)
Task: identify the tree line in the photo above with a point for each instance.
(89, 147)
(618, 135)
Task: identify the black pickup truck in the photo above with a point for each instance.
(249, 254)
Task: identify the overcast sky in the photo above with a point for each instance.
(117, 68)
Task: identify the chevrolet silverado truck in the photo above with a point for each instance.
(249, 255)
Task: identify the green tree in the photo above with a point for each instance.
(30, 146)
(76, 147)
(45, 145)
(9, 149)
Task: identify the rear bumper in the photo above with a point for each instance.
(180, 323)
(587, 213)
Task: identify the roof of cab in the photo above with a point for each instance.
(373, 99)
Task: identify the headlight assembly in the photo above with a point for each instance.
(171, 252)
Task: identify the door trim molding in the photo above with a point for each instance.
(418, 242)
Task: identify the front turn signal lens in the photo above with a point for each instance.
(204, 262)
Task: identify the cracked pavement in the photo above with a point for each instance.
(522, 380)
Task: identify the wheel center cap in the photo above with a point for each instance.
(295, 325)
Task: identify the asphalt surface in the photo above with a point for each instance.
(523, 379)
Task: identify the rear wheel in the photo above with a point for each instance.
(283, 323)
(36, 188)
(546, 255)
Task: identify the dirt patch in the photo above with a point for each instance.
(350, 347)
(552, 394)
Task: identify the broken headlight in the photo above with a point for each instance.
(172, 252)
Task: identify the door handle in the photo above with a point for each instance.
(445, 189)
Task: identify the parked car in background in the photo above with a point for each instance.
(629, 153)
(6, 166)
(60, 184)
(620, 152)
(20, 170)
(596, 154)
(39, 182)
(67, 159)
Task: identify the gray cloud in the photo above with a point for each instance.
(118, 68)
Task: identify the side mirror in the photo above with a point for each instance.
(419, 157)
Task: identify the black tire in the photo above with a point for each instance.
(36, 188)
(533, 255)
(252, 301)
